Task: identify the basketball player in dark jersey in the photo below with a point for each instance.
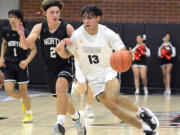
(59, 71)
(167, 62)
(139, 64)
(15, 61)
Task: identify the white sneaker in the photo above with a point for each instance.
(167, 92)
(137, 92)
(89, 112)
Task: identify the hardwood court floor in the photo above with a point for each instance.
(43, 107)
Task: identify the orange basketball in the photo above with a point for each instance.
(121, 61)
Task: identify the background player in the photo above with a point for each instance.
(80, 86)
(15, 61)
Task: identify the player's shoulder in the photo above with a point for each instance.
(78, 31)
(105, 30)
(6, 29)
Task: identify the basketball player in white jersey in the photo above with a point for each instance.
(92, 44)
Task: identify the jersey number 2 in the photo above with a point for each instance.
(52, 52)
(93, 59)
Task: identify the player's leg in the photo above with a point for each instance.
(168, 79)
(22, 81)
(81, 87)
(112, 102)
(163, 69)
(10, 89)
(89, 101)
(10, 80)
(136, 78)
(27, 102)
(143, 74)
(64, 105)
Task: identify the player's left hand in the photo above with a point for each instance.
(23, 64)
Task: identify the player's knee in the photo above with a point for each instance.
(61, 86)
(24, 93)
(9, 91)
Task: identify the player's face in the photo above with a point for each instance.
(91, 23)
(139, 39)
(52, 14)
(13, 20)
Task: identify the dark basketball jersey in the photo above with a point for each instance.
(14, 52)
(48, 42)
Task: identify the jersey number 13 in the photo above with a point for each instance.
(93, 59)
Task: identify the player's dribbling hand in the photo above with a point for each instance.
(20, 28)
(23, 64)
(2, 62)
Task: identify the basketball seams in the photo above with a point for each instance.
(122, 64)
(120, 61)
(116, 66)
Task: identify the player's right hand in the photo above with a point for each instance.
(2, 61)
(60, 47)
(67, 41)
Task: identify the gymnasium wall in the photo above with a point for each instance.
(128, 32)
(6, 5)
(154, 11)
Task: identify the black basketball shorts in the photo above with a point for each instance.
(13, 72)
(54, 74)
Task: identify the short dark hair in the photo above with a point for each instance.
(95, 10)
(17, 13)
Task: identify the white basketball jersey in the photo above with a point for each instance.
(94, 51)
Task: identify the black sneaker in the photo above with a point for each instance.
(147, 132)
(59, 129)
(148, 117)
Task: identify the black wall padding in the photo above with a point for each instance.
(128, 33)
(155, 33)
(174, 31)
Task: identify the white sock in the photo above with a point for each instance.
(29, 112)
(61, 119)
(75, 116)
(145, 88)
(145, 127)
(139, 110)
(137, 89)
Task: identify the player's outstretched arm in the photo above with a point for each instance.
(61, 50)
(28, 42)
(20, 31)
